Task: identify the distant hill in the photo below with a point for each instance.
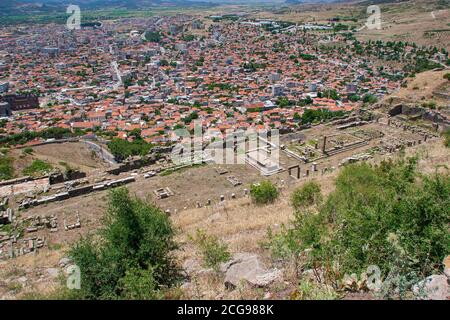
(371, 2)
(23, 6)
(294, 1)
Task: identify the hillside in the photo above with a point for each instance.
(239, 223)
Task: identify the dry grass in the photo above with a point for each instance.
(421, 87)
(239, 223)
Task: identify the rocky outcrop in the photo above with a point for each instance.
(447, 267)
(248, 268)
(435, 287)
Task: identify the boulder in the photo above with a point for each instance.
(248, 268)
(52, 272)
(434, 287)
(64, 262)
(191, 266)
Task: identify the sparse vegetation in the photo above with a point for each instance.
(6, 168)
(447, 138)
(308, 290)
(429, 105)
(214, 251)
(37, 168)
(27, 150)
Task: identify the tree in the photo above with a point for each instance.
(311, 115)
(354, 98)
(330, 94)
(370, 99)
(132, 256)
(152, 36)
(122, 149)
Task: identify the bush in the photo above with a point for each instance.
(307, 195)
(264, 193)
(386, 215)
(213, 251)
(132, 256)
(447, 76)
(373, 205)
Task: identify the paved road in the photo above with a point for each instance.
(115, 67)
(102, 152)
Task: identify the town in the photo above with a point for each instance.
(194, 113)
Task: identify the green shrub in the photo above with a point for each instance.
(307, 195)
(132, 257)
(140, 284)
(213, 251)
(386, 215)
(264, 193)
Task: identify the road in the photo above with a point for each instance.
(115, 67)
(102, 152)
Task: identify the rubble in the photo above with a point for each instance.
(75, 192)
(71, 226)
(234, 181)
(248, 267)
